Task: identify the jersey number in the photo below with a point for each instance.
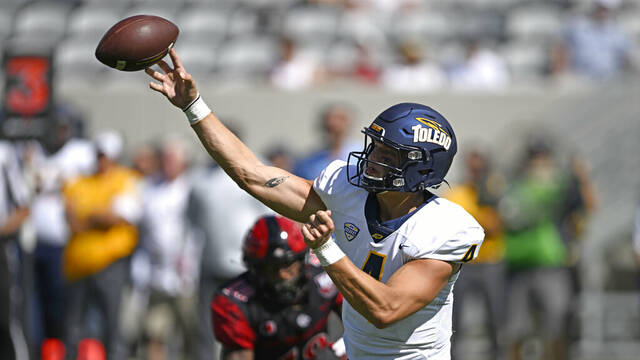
(468, 256)
(374, 264)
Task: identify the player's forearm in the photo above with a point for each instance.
(234, 157)
(371, 298)
(278, 189)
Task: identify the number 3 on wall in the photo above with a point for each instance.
(374, 264)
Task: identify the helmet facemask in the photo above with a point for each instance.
(408, 159)
(276, 289)
(272, 247)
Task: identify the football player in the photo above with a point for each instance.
(404, 246)
(280, 307)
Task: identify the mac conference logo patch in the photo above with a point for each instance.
(350, 231)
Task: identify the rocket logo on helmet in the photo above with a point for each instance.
(425, 153)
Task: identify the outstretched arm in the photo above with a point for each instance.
(409, 289)
(282, 191)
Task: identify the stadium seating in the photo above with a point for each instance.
(306, 24)
(246, 56)
(42, 19)
(92, 20)
(522, 29)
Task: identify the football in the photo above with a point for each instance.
(137, 42)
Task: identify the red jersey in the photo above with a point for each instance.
(242, 319)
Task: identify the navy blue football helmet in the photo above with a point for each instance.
(423, 140)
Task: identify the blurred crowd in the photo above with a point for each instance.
(103, 255)
(400, 45)
(527, 271)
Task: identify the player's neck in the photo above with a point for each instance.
(396, 204)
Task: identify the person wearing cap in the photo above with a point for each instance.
(102, 210)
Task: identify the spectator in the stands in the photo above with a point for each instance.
(595, 46)
(335, 122)
(481, 69)
(413, 72)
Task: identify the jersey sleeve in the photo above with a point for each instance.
(455, 238)
(230, 324)
(332, 183)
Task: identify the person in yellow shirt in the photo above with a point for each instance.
(102, 211)
(479, 194)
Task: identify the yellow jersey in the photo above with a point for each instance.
(492, 249)
(92, 250)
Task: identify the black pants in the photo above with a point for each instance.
(6, 344)
(102, 290)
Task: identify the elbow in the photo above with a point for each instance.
(243, 180)
(382, 320)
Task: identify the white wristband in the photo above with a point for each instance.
(196, 111)
(328, 253)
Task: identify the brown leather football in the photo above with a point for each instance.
(137, 42)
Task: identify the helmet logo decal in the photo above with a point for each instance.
(377, 128)
(432, 124)
(431, 135)
(350, 231)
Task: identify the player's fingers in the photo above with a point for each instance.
(311, 235)
(323, 230)
(306, 234)
(157, 87)
(164, 66)
(325, 217)
(154, 74)
(312, 220)
(316, 234)
(149, 71)
(188, 78)
(175, 59)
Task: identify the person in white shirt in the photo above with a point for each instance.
(60, 158)
(220, 213)
(482, 69)
(165, 267)
(14, 210)
(404, 245)
(413, 72)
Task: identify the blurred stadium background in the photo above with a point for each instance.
(232, 46)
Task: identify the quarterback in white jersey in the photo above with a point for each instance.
(404, 246)
(438, 229)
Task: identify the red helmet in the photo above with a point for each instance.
(273, 243)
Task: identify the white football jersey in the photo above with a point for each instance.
(439, 230)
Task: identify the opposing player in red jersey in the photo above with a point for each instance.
(279, 308)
